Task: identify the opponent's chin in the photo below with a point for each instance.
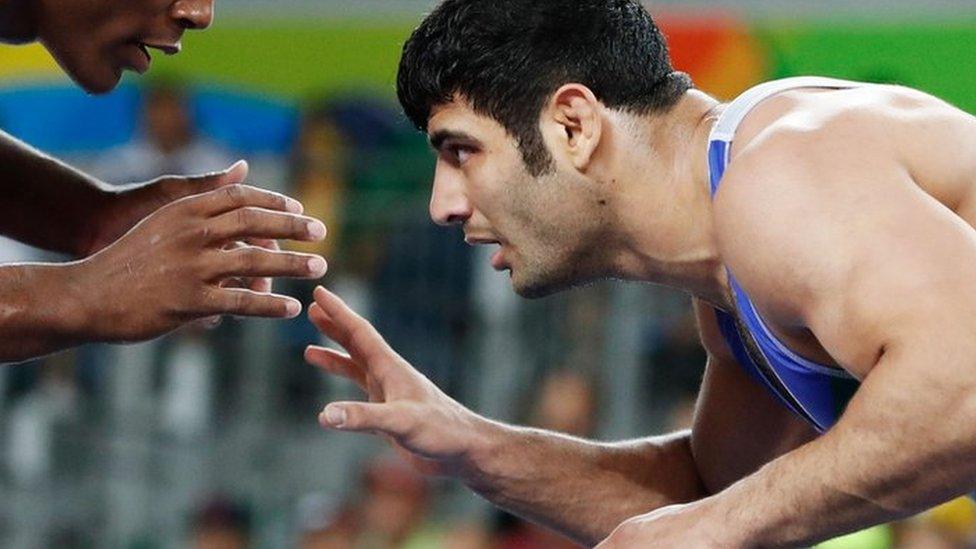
(101, 83)
(95, 77)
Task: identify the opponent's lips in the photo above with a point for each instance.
(167, 49)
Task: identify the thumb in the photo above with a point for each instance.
(233, 175)
(364, 416)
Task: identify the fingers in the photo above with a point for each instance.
(241, 302)
(336, 363)
(336, 320)
(232, 197)
(262, 285)
(254, 262)
(391, 419)
(264, 224)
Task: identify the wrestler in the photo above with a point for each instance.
(824, 227)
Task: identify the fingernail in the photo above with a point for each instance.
(234, 166)
(316, 229)
(335, 416)
(293, 308)
(316, 266)
(293, 205)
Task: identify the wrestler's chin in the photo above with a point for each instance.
(531, 287)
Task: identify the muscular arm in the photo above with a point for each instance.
(45, 203)
(580, 488)
(894, 301)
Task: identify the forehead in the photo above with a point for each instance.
(458, 116)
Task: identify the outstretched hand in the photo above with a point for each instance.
(130, 205)
(436, 433)
(172, 268)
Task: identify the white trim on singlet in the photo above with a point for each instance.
(736, 111)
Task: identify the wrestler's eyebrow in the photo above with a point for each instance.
(438, 138)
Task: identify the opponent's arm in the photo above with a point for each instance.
(50, 205)
(580, 488)
(172, 268)
(45, 202)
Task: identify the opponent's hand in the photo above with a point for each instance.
(121, 209)
(434, 431)
(687, 525)
(171, 268)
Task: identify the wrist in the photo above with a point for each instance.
(489, 439)
(75, 314)
(99, 208)
(726, 527)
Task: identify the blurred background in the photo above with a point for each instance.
(209, 438)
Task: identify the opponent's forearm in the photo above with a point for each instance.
(580, 488)
(41, 310)
(45, 202)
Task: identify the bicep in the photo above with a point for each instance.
(739, 426)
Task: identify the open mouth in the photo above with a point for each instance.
(145, 51)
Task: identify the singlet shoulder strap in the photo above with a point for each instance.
(735, 112)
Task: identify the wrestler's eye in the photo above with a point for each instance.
(459, 154)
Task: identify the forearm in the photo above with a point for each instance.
(45, 202)
(580, 488)
(41, 311)
(899, 450)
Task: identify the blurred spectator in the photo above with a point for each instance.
(325, 525)
(187, 395)
(318, 175)
(566, 403)
(221, 524)
(393, 512)
(395, 507)
(167, 144)
(35, 416)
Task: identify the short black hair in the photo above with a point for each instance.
(507, 58)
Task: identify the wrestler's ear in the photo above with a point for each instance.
(573, 121)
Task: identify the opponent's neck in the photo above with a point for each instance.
(666, 228)
(17, 25)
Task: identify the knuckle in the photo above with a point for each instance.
(239, 301)
(234, 194)
(297, 226)
(245, 217)
(247, 261)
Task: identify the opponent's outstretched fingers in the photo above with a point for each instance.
(264, 284)
(348, 329)
(233, 197)
(375, 417)
(336, 363)
(241, 302)
(254, 222)
(253, 262)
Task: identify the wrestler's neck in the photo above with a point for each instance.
(664, 211)
(17, 25)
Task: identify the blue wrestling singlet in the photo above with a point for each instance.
(812, 391)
